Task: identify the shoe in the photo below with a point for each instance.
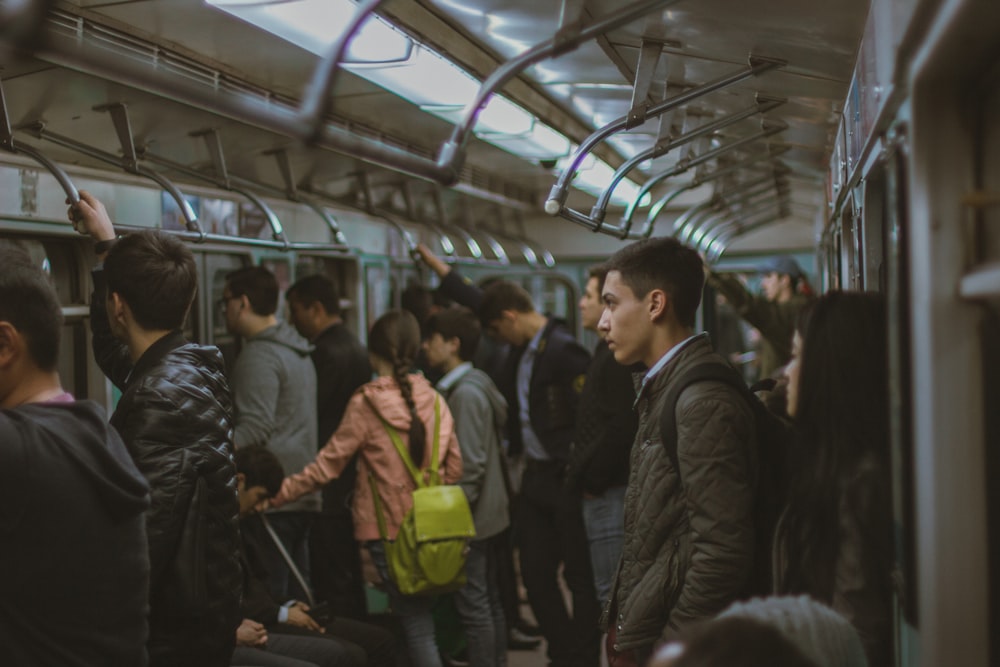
(518, 641)
(527, 628)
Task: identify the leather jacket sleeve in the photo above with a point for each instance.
(715, 440)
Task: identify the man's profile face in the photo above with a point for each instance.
(505, 329)
(591, 306)
(250, 498)
(300, 317)
(625, 322)
(437, 349)
(772, 284)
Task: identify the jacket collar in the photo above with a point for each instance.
(156, 352)
(657, 377)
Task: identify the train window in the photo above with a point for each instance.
(217, 267)
(282, 271)
(871, 237)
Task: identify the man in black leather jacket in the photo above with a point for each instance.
(175, 417)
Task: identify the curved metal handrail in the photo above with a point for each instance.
(730, 216)
(307, 122)
(769, 128)
(57, 172)
(724, 241)
(190, 219)
(452, 153)
(686, 225)
(662, 203)
(559, 191)
(598, 212)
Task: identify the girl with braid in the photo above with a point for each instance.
(406, 403)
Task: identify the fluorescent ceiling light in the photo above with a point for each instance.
(387, 57)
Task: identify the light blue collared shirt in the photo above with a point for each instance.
(664, 360)
(453, 376)
(533, 447)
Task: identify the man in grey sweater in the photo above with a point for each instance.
(274, 389)
(480, 413)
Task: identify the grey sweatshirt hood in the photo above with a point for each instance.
(482, 381)
(285, 334)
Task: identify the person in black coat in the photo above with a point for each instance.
(74, 572)
(542, 380)
(175, 417)
(342, 366)
(605, 429)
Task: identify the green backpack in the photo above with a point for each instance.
(428, 555)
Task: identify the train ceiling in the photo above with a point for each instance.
(752, 151)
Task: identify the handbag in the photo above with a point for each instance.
(429, 552)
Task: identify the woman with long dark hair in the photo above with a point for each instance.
(406, 402)
(834, 541)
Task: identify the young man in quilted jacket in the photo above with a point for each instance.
(689, 533)
(175, 417)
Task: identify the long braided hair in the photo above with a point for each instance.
(395, 337)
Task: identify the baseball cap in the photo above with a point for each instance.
(783, 265)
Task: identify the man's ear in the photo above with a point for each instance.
(11, 344)
(659, 304)
(117, 307)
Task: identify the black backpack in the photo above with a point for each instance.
(773, 439)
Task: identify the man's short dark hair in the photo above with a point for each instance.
(503, 295)
(29, 303)
(260, 467)
(457, 323)
(258, 285)
(316, 288)
(155, 274)
(666, 264)
(599, 271)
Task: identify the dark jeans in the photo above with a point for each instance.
(550, 533)
(293, 528)
(336, 564)
(373, 641)
(478, 603)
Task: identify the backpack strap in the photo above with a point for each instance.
(417, 475)
(706, 372)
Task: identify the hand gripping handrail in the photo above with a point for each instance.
(598, 212)
(307, 122)
(8, 144)
(769, 128)
(557, 196)
(663, 202)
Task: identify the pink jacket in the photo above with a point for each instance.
(362, 431)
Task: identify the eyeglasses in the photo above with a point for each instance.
(221, 303)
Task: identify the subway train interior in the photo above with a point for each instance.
(531, 140)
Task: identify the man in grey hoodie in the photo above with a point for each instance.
(480, 413)
(274, 389)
